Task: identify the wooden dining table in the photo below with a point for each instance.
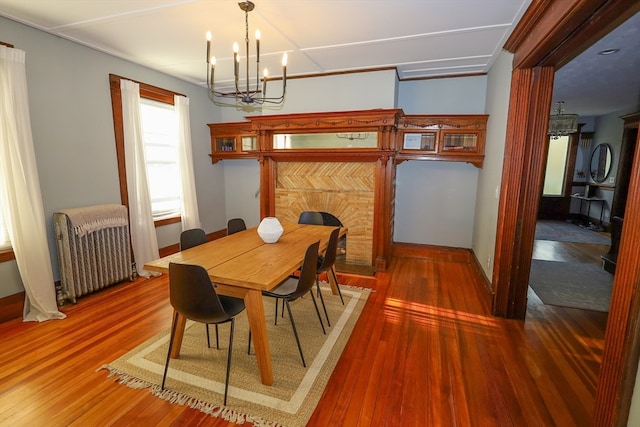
(242, 265)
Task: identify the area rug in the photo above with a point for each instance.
(196, 378)
(570, 284)
(561, 231)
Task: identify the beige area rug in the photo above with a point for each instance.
(196, 379)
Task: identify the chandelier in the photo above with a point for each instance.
(244, 93)
(562, 124)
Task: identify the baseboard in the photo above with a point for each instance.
(11, 307)
(480, 273)
(416, 250)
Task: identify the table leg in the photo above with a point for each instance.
(177, 339)
(257, 323)
(333, 281)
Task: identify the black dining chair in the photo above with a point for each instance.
(189, 239)
(235, 224)
(193, 296)
(295, 287)
(310, 217)
(325, 265)
(192, 237)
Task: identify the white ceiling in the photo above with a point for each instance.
(420, 38)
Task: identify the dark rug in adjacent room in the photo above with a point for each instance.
(561, 231)
(571, 284)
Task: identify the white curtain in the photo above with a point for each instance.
(143, 233)
(21, 200)
(190, 216)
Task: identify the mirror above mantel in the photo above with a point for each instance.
(323, 141)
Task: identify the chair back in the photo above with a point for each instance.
(191, 238)
(313, 218)
(192, 294)
(330, 254)
(307, 278)
(235, 224)
(330, 219)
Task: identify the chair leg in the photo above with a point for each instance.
(295, 331)
(315, 304)
(324, 307)
(249, 345)
(172, 336)
(209, 340)
(226, 382)
(275, 322)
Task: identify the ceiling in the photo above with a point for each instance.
(420, 38)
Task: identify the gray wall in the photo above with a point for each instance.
(490, 177)
(435, 201)
(73, 137)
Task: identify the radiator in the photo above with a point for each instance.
(93, 249)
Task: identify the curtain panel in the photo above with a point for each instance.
(21, 200)
(143, 233)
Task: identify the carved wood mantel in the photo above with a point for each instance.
(355, 182)
(372, 216)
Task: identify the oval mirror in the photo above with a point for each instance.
(601, 162)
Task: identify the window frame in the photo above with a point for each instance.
(146, 91)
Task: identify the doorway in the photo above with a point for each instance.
(547, 38)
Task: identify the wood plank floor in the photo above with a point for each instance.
(425, 352)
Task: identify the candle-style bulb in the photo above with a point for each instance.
(258, 46)
(236, 48)
(284, 59)
(265, 75)
(213, 61)
(208, 45)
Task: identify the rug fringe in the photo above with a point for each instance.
(357, 288)
(217, 411)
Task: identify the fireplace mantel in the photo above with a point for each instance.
(314, 179)
(373, 206)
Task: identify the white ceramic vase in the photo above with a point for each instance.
(270, 229)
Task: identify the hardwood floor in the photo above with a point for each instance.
(425, 352)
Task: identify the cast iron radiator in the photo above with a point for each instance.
(93, 249)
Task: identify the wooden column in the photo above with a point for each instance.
(522, 175)
(622, 339)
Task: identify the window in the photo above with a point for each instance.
(556, 166)
(159, 126)
(156, 108)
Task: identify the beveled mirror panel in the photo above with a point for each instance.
(298, 141)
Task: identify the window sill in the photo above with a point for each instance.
(7, 255)
(167, 221)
